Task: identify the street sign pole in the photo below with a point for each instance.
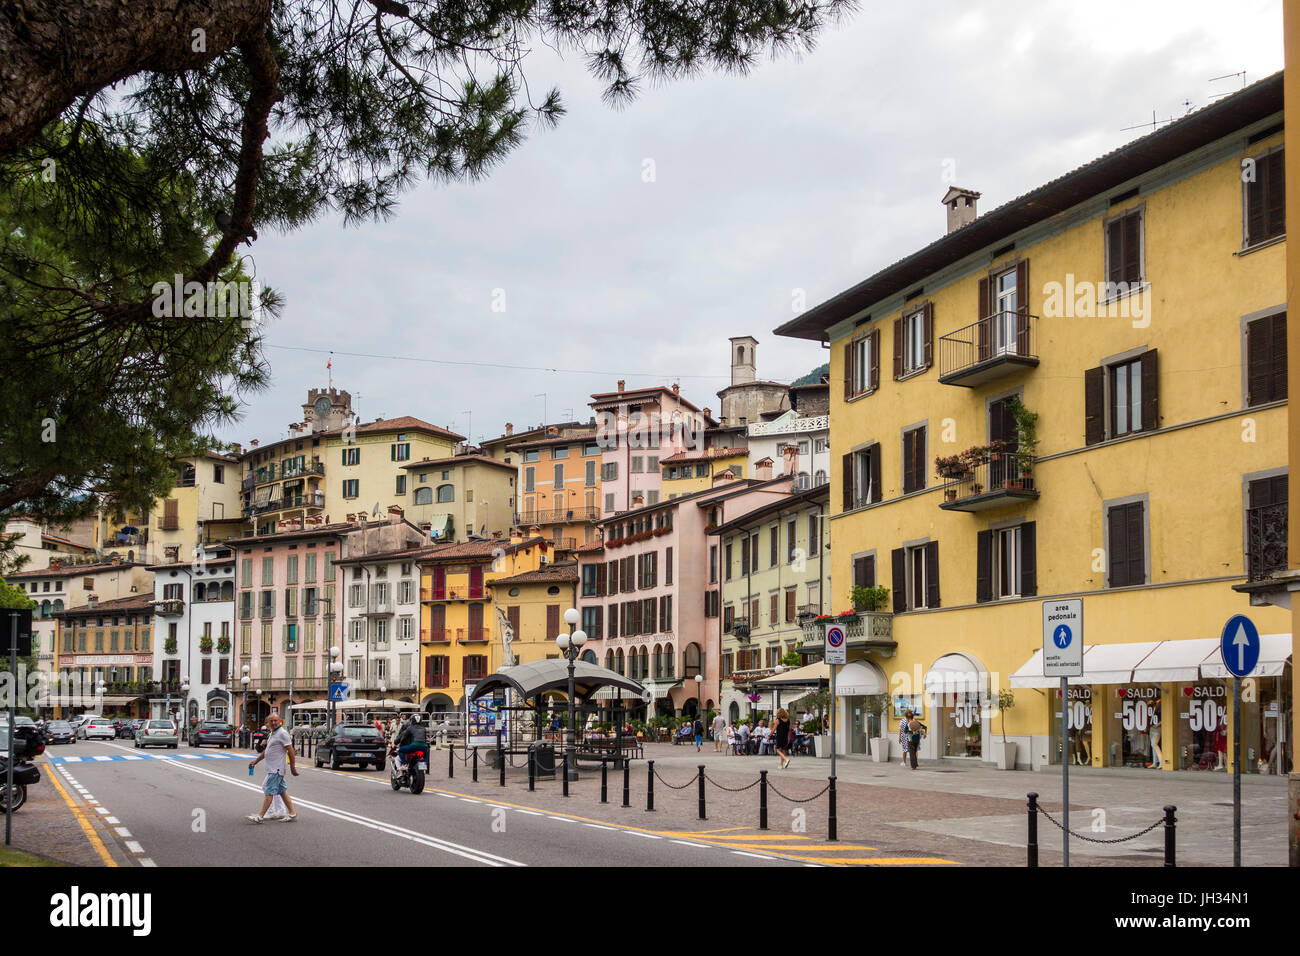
(9, 765)
(1239, 648)
(1063, 658)
(835, 653)
(833, 667)
(1065, 774)
(1236, 771)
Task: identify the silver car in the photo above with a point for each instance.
(157, 733)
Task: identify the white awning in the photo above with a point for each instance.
(311, 705)
(810, 675)
(1114, 663)
(860, 679)
(955, 674)
(1274, 649)
(1030, 675)
(1174, 661)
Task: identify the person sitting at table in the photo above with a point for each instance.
(742, 739)
(765, 747)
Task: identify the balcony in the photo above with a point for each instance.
(435, 635)
(1001, 344)
(559, 516)
(740, 629)
(473, 635)
(1266, 530)
(994, 480)
(460, 593)
(866, 629)
(171, 607)
(377, 608)
(267, 610)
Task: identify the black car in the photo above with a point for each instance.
(363, 746)
(29, 742)
(213, 732)
(59, 732)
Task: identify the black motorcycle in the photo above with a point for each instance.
(24, 776)
(409, 773)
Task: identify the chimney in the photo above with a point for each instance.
(708, 413)
(253, 443)
(395, 514)
(92, 600)
(56, 564)
(621, 383)
(960, 204)
(677, 389)
(510, 429)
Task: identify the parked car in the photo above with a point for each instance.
(157, 733)
(99, 727)
(213, 732)
(79, 724)
(363, 746)
(29, 742)
(132, 727)
(59, 732)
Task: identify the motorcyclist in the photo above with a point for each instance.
(410, 739)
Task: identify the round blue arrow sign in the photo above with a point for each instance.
(1239, 645)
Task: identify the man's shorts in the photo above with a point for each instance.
(274, 784)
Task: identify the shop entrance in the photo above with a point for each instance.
(1134, 726)
(961, 725)
(1078, 724)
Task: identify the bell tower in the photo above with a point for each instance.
(744, 362)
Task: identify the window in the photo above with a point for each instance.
(710, 603)
(591, 621)
(864, 571)
(424, 496)
(652, 497)
(861, 476)
(1121, 398)
(1124, 258)
(1125, 404)
(530, 476)
(774, 546)
(1006, 309)
(1126, 544)
(1266, 516)
(437, 672)
(352, 488)
(914, 463)
(591, 474)
(446, 494)
(916, 577)
(401, 485)
(533, 455)
(609, 503)
(559, 451)
(329, 565)
(790, 598)
(400, 451)
(638, 464)
(1006, 562)
(668, 564)
(862, 365)
(1265, 199)
(912, 341)
(558, 478)
(218, 474)
(351, 456)
(1266, 360)
(291, 569)
(609, 471)
(309, 572)
(791, 526)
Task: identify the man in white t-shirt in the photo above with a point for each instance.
(719, 732)
(279, 749)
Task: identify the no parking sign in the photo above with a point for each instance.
(836, 647)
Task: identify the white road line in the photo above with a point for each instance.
(132, 757)
(134, 847)
(466, 852)
(648, 836)
(531, 813)
(145, 861)
(113, 820)
(561, 819)
(72, 759)
(757, 856)
(599, 826)
(703, 846)
(102, 758)
(101, 810)
(123, 832)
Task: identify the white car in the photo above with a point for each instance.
(99, 727)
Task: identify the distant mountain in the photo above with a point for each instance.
(813, 377)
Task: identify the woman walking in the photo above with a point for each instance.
(782, 735)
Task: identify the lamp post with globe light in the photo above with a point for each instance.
(245, 679)
(336, 672)
(570, 646)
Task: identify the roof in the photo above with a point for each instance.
(584, 436)
(761, 382)
(1208, 124)
(706, 454)
(565, 572)
(484, 550)
(539, 676)
(589, 547)
(136, 602)
(703, 497)
(399, 554)
(186, 565)
(641, 395)
(785, 504)
(320, 531)
(523, 433)
(406, 423)
(73, 570)
(460, 460)
(73, 544)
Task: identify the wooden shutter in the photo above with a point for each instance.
(613, 620)
(1135, 539)
(512, 615)
(1132, 262)
(1115, 250)
(774, 610)
(1094, 406)
(654, 568)
(668, 566)
(728, 615)
(1127, 552)
(438, 622)
(171, 514)
(1028, 560)
(983, 320)
(1278, 385)
(908, 478)
(899, 579)
(932, 574)
(1256, 218)
(774, 547)
(984, 566)
(848, 371)
(873, 370)
(846, 480)
(789, 605)
(428, 672)
(1022, 312)
(898, 349)
(600, 579)
(928, 332)
(873, 463)
(1266, 360)
(476, 580)
(476, 621)
(1150, 391)
(1275, 195)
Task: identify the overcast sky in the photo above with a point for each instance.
(807, 174)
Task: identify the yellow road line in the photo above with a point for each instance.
(801, 848)
(91, 835)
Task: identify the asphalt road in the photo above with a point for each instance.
(187, 807)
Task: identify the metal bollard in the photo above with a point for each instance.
(566, 772)
(475, 765)
(650, 785)
(1170, 825)
(830, 820)
(702, 816)
(501, 758)
(451, 767)
(604, 782)
(627, 782)
(1033, 829)
(762, 799)
(532, 769)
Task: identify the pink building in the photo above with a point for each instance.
(650, 595)
(636, 428)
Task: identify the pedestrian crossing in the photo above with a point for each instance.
(106, 758)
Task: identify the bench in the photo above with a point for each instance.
(604, 749)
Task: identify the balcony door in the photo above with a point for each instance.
(1005, 307)
(1266, 526)
(1002, 429)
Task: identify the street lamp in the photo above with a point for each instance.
(778, 669)
(571, 646)
(99, 692)
(336, 670)
(245, 680)
(185, 701)
(699, 702)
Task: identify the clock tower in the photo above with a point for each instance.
(327, 409)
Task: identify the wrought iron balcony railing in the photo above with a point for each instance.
(997, 345)
(1266, 528)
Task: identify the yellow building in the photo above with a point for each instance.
(460, 634)
(687, 472)
(455, 497)
(202, 508)
(533, 604)
(558, 486)
(1075, 395)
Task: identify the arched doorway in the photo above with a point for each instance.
(733, 713)
(955, 686)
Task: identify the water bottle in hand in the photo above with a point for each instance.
(250, 769)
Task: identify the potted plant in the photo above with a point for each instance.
(950, 494)
(880, 746)
(205, 645)
(1005, 753)
(977, 489)
(223, 645)
(1026, 434)
(169, 645)
(868, 599)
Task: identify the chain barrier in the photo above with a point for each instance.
(1088, 839)
(733, 789)
(694, 779)
(771, 786)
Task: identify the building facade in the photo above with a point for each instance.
(194, 619)
(1076, 395)
(105, 659)
(559, 484)
(459, 497)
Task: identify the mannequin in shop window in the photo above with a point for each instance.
(1155, 736)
